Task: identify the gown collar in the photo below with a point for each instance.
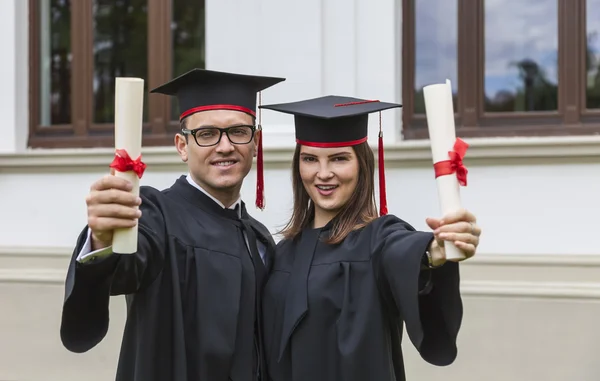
(296, 300)
(234, 206)
(199, 198)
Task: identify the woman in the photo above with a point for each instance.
(344, 279)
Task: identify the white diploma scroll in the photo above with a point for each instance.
(442, 134)
(129, 109)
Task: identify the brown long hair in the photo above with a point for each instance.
(356, 213)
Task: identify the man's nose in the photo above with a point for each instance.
(224, 145)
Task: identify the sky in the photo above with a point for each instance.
(435, 45)
(593, 26)
(514, 30)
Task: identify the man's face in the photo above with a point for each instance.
(219, 169)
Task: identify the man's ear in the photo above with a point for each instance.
(181, 143)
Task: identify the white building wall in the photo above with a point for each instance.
(538, 269)
(342, 47)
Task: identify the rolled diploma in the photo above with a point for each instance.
(440, 122)
(129, 109)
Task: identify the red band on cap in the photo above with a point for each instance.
(331, 144)
(216, 107)
(354, 103)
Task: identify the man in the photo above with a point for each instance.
(193, 287)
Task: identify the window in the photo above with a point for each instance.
(518, 67)
(78, 47)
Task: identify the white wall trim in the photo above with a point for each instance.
(553, 290)
(33, 276)
(568, 260)
(476, 288)
(554, 260)
(35, 251)
(503, 287)
(482, 151)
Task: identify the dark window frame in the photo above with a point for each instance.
(159, 129)
(572, 116)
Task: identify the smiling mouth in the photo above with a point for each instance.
(225, 163)
(326, 187)
(326, 190)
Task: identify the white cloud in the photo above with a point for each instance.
(593, 27)
(593, 18)
(514, 30)
(519, 29)
(436, 41)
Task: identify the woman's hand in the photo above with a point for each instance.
(459, 228)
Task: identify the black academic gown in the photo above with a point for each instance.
(190, 289)
(336, 312)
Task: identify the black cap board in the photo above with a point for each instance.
(331, 121)
(202, 90)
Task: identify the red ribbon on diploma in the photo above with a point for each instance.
(455, 164)
(123, 163)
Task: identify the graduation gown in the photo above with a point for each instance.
(336, 312)
(191, 292)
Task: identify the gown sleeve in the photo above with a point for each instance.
(88, 286)
(432, 315)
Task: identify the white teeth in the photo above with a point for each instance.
(224, 163)
(326, 187)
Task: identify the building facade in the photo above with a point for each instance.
(526, 80)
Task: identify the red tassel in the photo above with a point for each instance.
(382, 196)
(260, 181)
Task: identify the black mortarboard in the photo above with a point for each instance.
(336, 121)
(202, 90)
(331, 121)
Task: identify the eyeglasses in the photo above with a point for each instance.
(211, 136)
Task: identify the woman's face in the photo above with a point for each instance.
(329, 176)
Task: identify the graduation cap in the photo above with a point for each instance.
(337, 121)
(203, 90)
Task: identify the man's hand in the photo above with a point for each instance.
(110, 206)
